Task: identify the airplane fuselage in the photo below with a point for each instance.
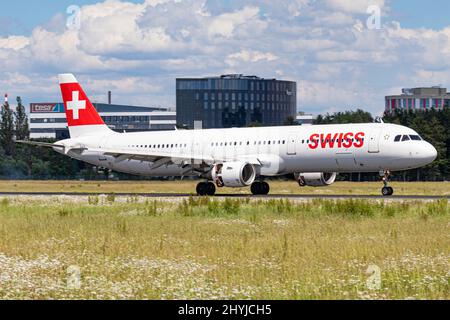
(280, 150)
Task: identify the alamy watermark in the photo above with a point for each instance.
(73, 278)
(373, 282)
(373, 22)
(73, 21)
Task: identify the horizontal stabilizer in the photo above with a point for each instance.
(40, 144)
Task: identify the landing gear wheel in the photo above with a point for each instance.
(386, 190)
(260, 188)
(210, 189)
(201, 188)
(391, 191)
(256, 188)
(265, 188)
(206, 189)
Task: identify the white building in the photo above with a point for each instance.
(305, 119)
(48, 120)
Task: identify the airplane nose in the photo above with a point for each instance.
(430, 153)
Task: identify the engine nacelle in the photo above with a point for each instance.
(315, 179)
(233, 174)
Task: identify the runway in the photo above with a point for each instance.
(270, 196)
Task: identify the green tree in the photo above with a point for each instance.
(290, 121)
(7, 129)
(21, 121)
(433, 126)
(358, 116)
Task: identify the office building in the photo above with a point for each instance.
(418, 99)
(234, 101)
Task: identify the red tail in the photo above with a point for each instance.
(81, 115)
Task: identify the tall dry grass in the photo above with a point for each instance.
(234, 248)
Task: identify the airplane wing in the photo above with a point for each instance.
(159, 158)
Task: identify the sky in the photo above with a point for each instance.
(344, 54)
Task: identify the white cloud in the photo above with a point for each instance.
(138, 50)
(15, 43)
(250, 56)
(225, 24)
(354, 6)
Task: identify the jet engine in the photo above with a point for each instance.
(233, 174)
(315, 179)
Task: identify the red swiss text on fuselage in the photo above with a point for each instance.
(336, 140)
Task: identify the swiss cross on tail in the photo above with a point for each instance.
(79, 110)
(76, 105)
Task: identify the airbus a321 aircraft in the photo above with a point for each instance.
(240, 157)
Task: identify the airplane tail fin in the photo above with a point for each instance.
(82, 118)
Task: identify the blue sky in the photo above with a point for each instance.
(421, 13)
(27, 14)
(137, 48)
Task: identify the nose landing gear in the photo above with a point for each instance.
(386, 190)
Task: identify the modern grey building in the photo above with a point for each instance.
(48, 120)
(234, 101)
(418, 99)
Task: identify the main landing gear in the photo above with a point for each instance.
(386, 190)
(260, 188)
(209, 188)
(206, 189)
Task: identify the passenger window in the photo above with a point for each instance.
(405, 138)
(398, 138)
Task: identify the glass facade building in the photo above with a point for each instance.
(234, 101)
(418, 99)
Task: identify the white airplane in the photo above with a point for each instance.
(239, 157)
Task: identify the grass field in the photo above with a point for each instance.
(106, 247)
(277, 187)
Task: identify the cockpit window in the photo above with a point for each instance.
(398, 138)
(415, 137)
(405, 138)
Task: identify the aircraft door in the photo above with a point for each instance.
(374, 140)
(291, 145)
(345, 160)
